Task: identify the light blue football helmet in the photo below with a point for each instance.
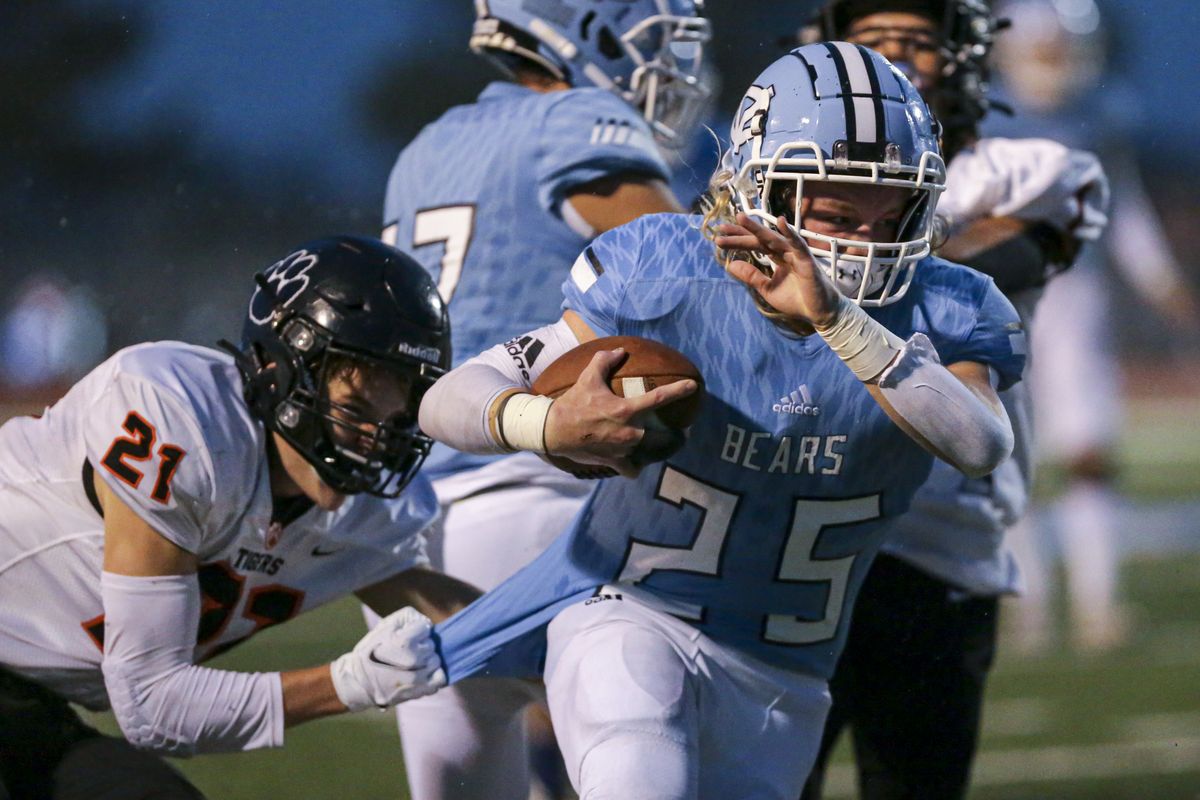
(648, 52)
(839, 112)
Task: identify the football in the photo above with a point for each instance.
(647, 365)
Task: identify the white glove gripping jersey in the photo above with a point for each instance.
(164, 425)
(955, 526)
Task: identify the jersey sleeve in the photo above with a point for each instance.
(589, 134)
(1037, 180)
(149, 451)
(997, 338)
(599, 278)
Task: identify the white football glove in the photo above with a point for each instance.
(394, 662)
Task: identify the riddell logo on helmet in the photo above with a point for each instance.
(423, 352)
(798, 402)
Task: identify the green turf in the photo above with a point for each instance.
(1124, 724)
(1158, 453)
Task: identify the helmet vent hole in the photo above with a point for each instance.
(610, 48)
(585, 24)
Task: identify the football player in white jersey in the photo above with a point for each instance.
(910, 682)
(597, 86)
(179, 499)
(1052, 66)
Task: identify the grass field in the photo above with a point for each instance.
(1125, 724)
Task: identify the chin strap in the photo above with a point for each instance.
(258, 384)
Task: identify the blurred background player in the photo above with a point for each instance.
(690, 618)
(1054, 70)
(496, 199)
(179, 500)
(910, 682)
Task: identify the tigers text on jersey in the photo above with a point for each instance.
(476, 198)
(761, 528)
(165, 427)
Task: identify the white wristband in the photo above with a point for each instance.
(866, 346)
(523, 422)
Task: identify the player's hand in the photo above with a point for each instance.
(590, 424)
(394, 662)
(798, 288)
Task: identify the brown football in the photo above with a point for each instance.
(647, 365)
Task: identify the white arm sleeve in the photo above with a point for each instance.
(455, 410)
(974, 437)
(162, 700)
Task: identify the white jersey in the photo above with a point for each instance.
(165, 427)
(955, 526)
(1038, 180)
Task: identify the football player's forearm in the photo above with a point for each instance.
(309, 694)
(1017, 254)
(456, 410)
(942, 412)
(434, 594)
(163, 701)
(615, 200)
(461, 408)
(928, 401)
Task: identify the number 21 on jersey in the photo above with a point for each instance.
(126, 451)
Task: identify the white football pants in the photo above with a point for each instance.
(467, 742)
(645, 707)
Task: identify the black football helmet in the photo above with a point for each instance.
(335, 304)
(967, 31)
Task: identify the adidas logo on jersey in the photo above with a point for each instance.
(524, 351)
(798, 402)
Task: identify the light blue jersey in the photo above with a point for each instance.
(477, 196)
(761, 529)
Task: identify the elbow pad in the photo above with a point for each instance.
(964, 429)
(164, 702)
(456, 410)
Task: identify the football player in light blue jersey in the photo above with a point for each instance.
(687, 623)
(496, 199)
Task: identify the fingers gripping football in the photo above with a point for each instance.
(590, 424)
(394, 662)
